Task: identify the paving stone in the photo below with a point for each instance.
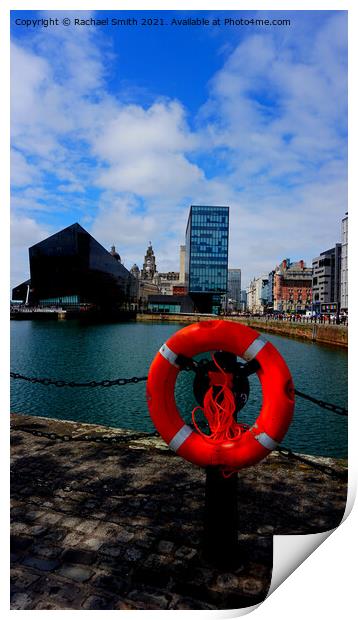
(132, 554)
(46, 551)
(19, 543)
(227, 581)
(115, 551)
(148, 600)
(123, 604)
(108, 581)
(51, 605)
(21, 600)
(165, 547)
(251, 586)
(86, 526)
(53, 536)
(155, 561)
(92, 543)
(186, 553)
(186, 603)
(97, 602)
(40, 563)
(37, 530)
(75, 572)
(21, 579)
(79, 556)
(73, 540)
(50, 518)
(69, 522)
(125, 541)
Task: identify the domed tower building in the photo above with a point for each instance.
(149, 266)
(135, 271)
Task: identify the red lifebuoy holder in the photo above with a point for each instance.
(277, 388)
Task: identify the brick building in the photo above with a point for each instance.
(293, 287)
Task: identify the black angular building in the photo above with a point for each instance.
(71, 269)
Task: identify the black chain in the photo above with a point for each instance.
(287, 452)
(124, 439)
(321, 403)
(185, 363)
(72, 384)
(94, 438)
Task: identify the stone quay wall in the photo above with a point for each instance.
(102, 525)
(336, 335)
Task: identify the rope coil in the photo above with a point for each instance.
(219, 408)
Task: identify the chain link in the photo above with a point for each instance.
(321, 403)
(120, 439)
(287, 452)
(186, 365)
(72, 384)
(124, 439)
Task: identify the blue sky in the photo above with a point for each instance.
(122, 128)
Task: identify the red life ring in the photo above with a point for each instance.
(276, 382)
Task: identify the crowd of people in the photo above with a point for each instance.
(329, 319)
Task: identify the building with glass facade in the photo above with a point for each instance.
(71, 269)
(326, 290)
(234, 288)
(344, 265)
(170, 304)
(206, 257)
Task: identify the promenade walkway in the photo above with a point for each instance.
(102, 526)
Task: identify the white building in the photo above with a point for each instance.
(344, 264)
(182, 264)
(257, 295)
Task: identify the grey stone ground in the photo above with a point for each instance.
(100, 526)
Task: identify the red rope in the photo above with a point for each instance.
(219, 410)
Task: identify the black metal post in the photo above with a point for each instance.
(220, 541)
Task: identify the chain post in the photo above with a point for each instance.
(220, 540)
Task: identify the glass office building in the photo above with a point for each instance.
(206, 261)
(234, 288)
(71, 269)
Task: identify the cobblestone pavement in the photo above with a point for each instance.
(101, 526)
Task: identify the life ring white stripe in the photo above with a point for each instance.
(266, 441)
(169, 355)
(254, 348)
(180, 437)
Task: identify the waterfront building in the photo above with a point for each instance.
(71, 269)
(166, 281)
(326, 274)
(206, 256)
(257, 295)
(293, 287)
(270, 290)
(182, 264)
(344, 265)
(234, 289)
(170, 304)
(149, 267)
(135, 271)
(179, 289)
(243, 302)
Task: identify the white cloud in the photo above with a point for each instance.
(25, 232)
(22, 172)
(145, 151)
(272, 130)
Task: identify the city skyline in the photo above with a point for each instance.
(124, 146)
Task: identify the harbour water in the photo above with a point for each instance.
(74, 352)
